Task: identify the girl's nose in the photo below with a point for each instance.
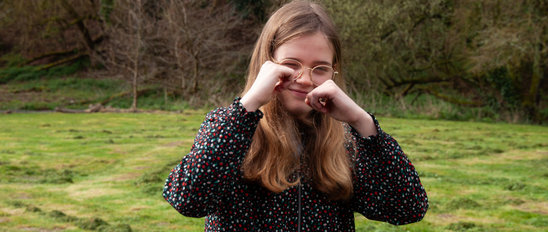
(305, 77)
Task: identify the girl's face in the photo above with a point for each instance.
(310, 50)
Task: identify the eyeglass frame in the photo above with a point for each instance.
(310, 70)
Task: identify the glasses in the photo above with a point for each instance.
(318, 74)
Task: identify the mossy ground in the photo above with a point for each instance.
(105, 172)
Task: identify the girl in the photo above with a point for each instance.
(295, 152)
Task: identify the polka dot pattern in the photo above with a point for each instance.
(208, 183)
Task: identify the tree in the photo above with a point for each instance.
(469, 53)
(508, 50)
(128, 31)
(52, 33)
(208, 45)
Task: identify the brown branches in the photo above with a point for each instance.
(452, 99)
(401, 82)
(80, 24)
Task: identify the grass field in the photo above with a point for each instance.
(105, 172)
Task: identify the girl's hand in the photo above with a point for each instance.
(328, 98)
(270, 78)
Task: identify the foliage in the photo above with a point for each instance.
(252, 9)
(478, 176)
(106, 9)
(433, 47)
(473, 54)
(49, 31)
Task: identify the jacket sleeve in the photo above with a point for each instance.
(196, 185)
(386, 185)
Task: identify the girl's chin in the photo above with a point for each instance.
(299, 110)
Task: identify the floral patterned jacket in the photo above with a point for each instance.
(208, 182)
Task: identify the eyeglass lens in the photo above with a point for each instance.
(319, 73)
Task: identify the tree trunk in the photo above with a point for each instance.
(165, 95)
(530, 98)
(453, 100)
(137, 54)
(80, 24)
(195, 74)
(63, 61)
(134, 86)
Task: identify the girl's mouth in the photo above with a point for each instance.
(299, 93)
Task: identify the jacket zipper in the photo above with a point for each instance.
(300, 209)
(300, 185)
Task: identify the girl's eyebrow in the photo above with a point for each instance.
(316, 62)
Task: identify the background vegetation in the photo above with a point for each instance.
(464, 60)
(105, 172)
(478, 60)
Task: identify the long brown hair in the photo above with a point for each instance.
(276, 151)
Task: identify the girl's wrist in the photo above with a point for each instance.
(249, 104)
(364, 124)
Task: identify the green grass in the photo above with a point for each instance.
(104, 172)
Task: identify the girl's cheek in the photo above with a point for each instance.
(285, 84)
(281, 86)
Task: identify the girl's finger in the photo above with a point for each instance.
(316, 103)
(279, 84)
(322, 101)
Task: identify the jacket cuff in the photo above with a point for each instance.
(243, 123)
(371, 141)
(239, 109)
